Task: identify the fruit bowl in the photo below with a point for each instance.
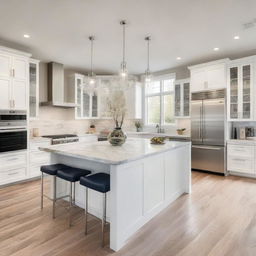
(157, 140)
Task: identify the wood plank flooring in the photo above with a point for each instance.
(217, 219)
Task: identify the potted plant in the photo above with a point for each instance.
(181, 131)
(138, 126)
(117, 107)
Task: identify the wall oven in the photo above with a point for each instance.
(13, 130)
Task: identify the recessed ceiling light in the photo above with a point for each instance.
(26, 36)
(236, 37)
(216, 49)
(178, 58)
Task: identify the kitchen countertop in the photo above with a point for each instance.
(160, 134)
(245, 142)
(103, 152)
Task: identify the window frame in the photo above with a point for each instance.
(161, 94)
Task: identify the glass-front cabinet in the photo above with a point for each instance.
(87, 101)
(240, 90)
(33, 88)
(182, 98)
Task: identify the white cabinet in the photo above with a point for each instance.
(38, 157)
(13, 166)
(88, 138)
(182, 98)
(240, 90)
(88, 102)
(209, 76)
(33, 88)
(241, 158)
(133, 97)
(13, 79)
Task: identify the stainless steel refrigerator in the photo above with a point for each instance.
(208, 131)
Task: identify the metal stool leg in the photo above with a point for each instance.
(54, 197)
(42, 190)
(104, 218)
(74, 194)
(86, 210)
(70, 203)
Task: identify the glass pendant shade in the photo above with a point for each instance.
(148, 75)
(123, 70)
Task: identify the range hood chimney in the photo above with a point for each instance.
(56, 88)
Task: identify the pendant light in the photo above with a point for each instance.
(123, 70)
(91, 75)
(148, 75)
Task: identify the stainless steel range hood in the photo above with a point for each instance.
(56, 88)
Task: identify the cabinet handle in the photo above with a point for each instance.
(239, 159)
(12, 173)
(13, 72)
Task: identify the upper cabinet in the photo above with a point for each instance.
(94, 105)
(13, 79)
(182, 98)
(209, 76)
(33, 88)
(240, 89)
(87, 102)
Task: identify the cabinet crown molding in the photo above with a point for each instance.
(14, 51)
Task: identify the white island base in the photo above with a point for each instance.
(145, 179)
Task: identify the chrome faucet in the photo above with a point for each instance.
(159, 129)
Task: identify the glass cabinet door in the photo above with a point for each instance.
(86, 104)
(33, 100)
(177, 99)
(246, 92)
(186, 99)
(233, 92)
(94, 105)
(79, 97)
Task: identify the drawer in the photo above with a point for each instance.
(39, 157)
(13, 175)
(240, 164)
(34, 146)
(241, 150)
(13, 159)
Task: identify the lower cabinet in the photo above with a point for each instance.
(241, 159)
(13, 166)
(37, 157)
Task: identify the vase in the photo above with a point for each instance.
(117, 137)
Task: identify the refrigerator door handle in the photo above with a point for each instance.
(200, 125)
(205, 147)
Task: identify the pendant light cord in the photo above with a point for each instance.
(148, 54)
(91, 38)
(124, 43)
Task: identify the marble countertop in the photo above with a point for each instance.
(103, 152)
(160, 134)
(244, 142)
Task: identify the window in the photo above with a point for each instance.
(159, 101)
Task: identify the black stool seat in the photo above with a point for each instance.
(53, 168)
(72, 174)
(99, 182)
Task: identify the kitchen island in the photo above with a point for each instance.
(144, 180)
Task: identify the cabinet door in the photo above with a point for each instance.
(186, 99)
(5, 65)
(19, 66)
(78, 86)
(233, 92)
(94, 105)
(5, 95)
(177, 99)
(246, 88)
(19, 94)
(216, 77)
(86, 104)
(198, 80)
(33, 90)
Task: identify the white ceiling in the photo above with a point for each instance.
(59, 30)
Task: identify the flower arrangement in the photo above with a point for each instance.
(117, 107)
(138, 125)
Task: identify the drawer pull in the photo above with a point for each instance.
(13, 159)
(12, 173)
(239, 159)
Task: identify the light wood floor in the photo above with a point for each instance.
(217, 219)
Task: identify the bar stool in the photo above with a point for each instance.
(50, 170)
(99, 182)
(72, 175)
